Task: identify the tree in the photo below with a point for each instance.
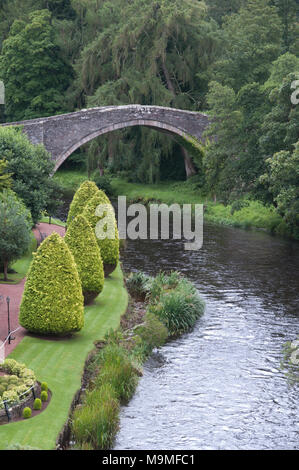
(5, 178)
(81, 240)
(146, 52)
(252, 40)
(32, 69)
(109, 247)
(15, 229)
(282, 180)
(86, 191)
(31, 167)
(288, 12)
(280, 129)
(218, 9)
(52, 302)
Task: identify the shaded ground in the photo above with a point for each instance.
(15, 292)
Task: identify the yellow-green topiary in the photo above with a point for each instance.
(109, 246)
(81, 240)
(87, 190)
(52, 302)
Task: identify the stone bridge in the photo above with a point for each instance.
(64, 133)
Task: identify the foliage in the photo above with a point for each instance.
(82, 243)
(109, 247)
(138, 285)
(18, 381)
(44, 396)
(31, 66)
(15, 229)
(117, 370)
(31, 167)
(282, 180)
(37, 405)
(86, 191)
(52, 302)
(176, 39)
(96, 422)
(44, 386)
(178, 306)
(27, 413)
(5, 178)
(103, 183)
(152, 332)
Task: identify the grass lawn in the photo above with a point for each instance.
(21, 266)
(60, 363)
(255, 215)
(45, 219)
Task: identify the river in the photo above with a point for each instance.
(221, 387)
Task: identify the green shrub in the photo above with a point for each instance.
(27, 413)
(153, 332)
(117, 370)
(138, 285)
(179, 308)
(109, 246)
(163, 283)
(37, 405)
(17, 383)
(86, 191)
(81, 240)
(44, 395)
(44, 387)
(103, 183)
(96, 421)
(52, 301)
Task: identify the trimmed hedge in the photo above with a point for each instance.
(52, 301)
(82, 243)
(87, 190)
(109, 247)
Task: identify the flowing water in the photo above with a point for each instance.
(221, 387)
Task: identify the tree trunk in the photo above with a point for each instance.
(189, 166)
(5, 270)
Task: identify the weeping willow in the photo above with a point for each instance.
(146, 52)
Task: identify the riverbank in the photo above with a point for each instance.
(242, 214)
(160, 309)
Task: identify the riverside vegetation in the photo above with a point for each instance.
(170, 306)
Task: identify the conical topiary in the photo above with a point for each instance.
(87, 190)
(81, 240)
(52, 302)
(109, 247)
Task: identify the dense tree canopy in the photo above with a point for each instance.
(32, 69)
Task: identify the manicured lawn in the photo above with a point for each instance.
(60, 363)
(21, 266)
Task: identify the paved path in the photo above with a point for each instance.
(15, 292)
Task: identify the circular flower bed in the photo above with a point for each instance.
(16, 379)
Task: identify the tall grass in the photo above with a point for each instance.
(96, 422)
(117, 370)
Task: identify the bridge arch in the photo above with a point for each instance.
(114, 127)
(63, 134)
